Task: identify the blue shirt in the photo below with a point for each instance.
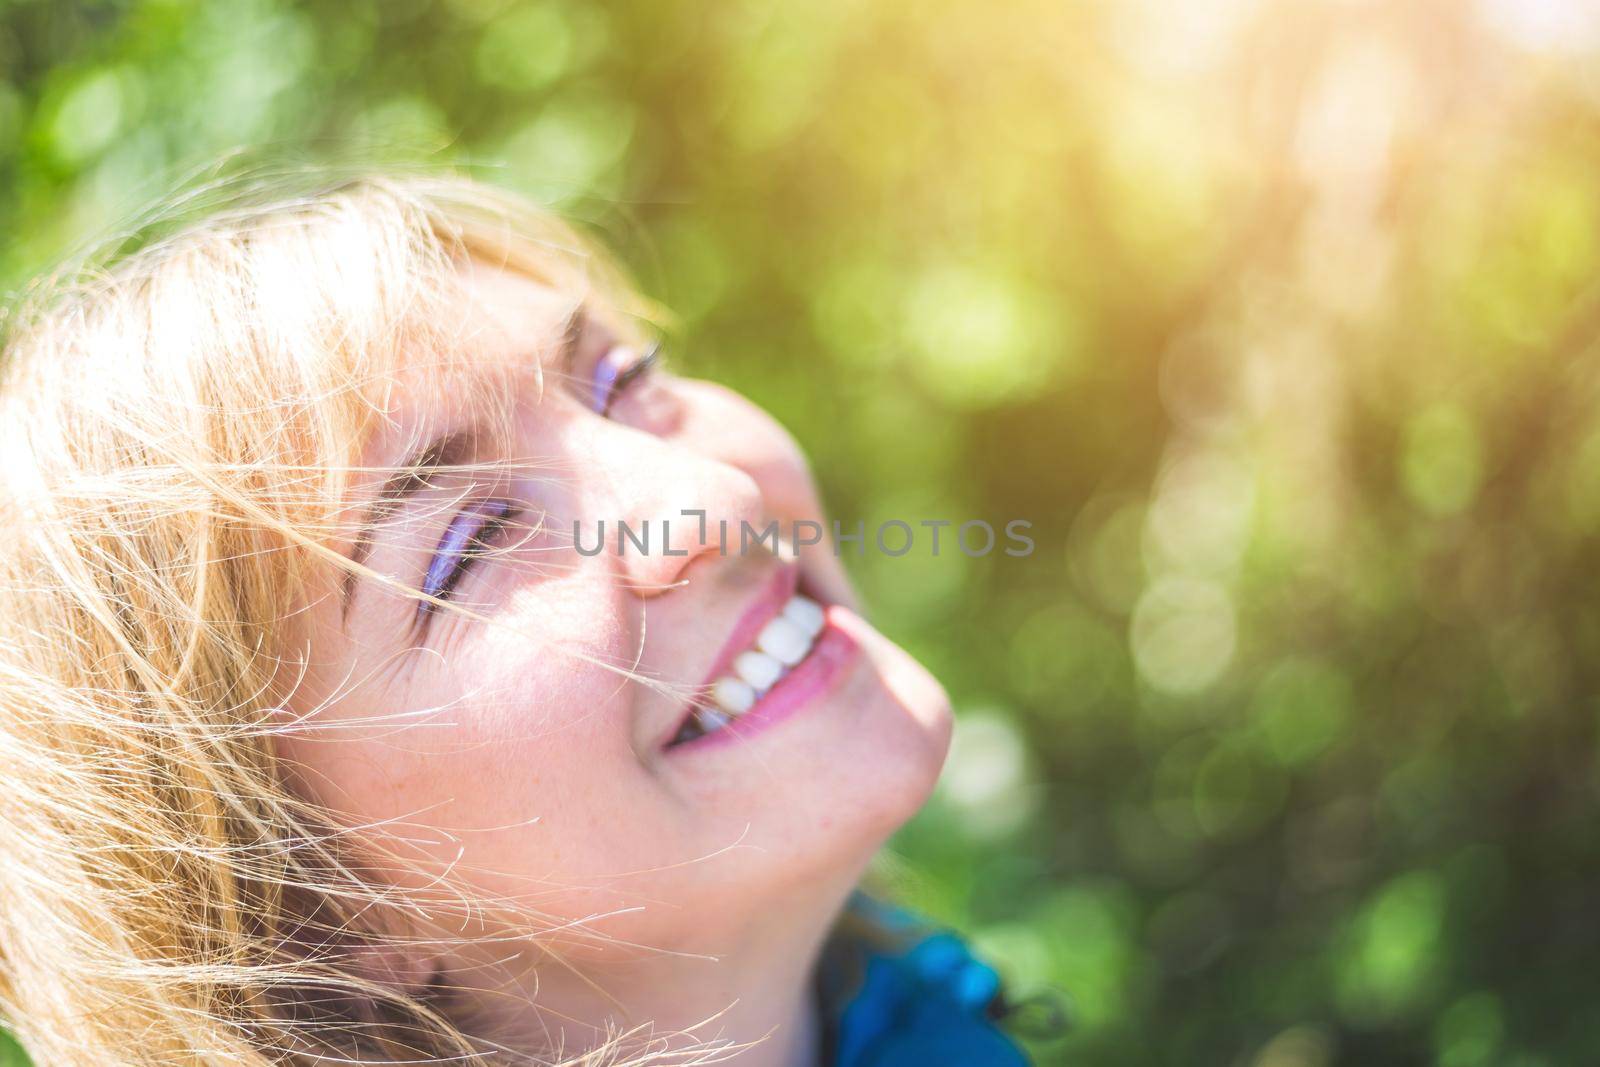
(913, 998)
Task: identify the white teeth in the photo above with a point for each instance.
(758, 669)
(711, 720)
(804, 613)
(732, 695)
(784, 641)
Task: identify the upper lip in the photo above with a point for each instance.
(768, 603)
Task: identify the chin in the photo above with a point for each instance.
(902, 734)
(873, 757)
(811, 798)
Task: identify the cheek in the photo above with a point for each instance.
(507, 757)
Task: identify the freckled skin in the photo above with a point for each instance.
(541, 775)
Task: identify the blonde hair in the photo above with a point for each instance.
(178, 429)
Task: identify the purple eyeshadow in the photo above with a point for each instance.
(462, 529)
(605, 379)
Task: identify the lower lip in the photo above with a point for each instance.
(831, 655)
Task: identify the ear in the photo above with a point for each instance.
(400, 962)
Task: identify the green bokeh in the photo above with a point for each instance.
(1276, 318)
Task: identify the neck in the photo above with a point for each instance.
(754, 996)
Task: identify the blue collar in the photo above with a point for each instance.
(910, 998)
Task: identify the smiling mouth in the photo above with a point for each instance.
(783, 644)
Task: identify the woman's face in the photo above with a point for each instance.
(513, 751)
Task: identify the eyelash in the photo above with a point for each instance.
(480, 541)
(472, 547)
(635, 371)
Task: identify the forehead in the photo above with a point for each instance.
(509, 315)
(500, 335)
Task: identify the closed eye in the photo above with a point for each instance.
(471, 533)
(618, 369)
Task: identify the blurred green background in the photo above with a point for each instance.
(1276, 318)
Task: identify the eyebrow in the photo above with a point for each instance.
(572, 330)
(448, 449)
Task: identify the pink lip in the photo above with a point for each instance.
(779, 588)
(785, 580)
(833, 652)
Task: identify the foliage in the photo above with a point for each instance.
(1276, 318)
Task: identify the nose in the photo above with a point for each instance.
(665, 506)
